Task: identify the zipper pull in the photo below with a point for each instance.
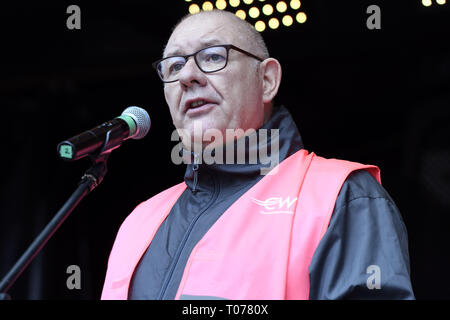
(195, 169)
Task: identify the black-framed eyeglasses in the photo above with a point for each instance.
(209, 59)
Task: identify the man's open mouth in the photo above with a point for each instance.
(197, 103)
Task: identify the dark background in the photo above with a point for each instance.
(372, 96)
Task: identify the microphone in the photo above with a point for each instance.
(134, 123)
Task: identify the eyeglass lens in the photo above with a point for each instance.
(208, 60)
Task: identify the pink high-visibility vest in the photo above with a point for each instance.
(261, 246)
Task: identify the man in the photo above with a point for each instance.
(307, 228)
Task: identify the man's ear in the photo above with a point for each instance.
(271, 77)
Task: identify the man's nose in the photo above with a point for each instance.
(191, 74)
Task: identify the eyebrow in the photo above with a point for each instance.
(203, 44)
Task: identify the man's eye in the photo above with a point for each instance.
(176, 67)
(214, 57)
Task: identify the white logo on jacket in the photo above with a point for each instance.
(276, 205)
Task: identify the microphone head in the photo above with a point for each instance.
(142, 120)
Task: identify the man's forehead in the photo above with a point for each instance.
(186, 47)
(195, 33)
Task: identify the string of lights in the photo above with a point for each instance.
(262, 14)
(428, 3)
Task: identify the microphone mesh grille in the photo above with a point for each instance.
(142, 119)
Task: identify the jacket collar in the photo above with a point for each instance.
(202, 176)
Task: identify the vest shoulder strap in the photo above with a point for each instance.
(133, 238)
(317, 198)
(324, 180)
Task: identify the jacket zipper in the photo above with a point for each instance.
(195, 169)
(185, 238)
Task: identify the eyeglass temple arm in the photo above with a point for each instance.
(246, 52)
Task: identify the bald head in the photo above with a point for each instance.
(245, 34)
(236, 96)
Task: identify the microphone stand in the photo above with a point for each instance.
(89, 181)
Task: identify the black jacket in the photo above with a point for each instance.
(366, 231)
